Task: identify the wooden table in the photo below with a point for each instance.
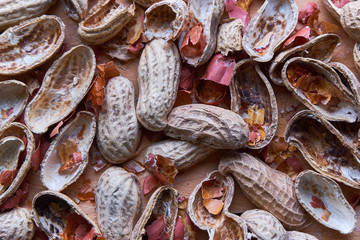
(186, 181)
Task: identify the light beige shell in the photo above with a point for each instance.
(346, 110)
(265, 187)
(335, 11)
(118, 203)
(76, 9)
(205, 124)
(263, 225)
(21, 131)
(30, 44)
(50, 177)
(13, 12)
(118, 132)
(166, 19)
(249, 85)
(210, 20)
(324, 148)
(232, 228)
(272, 23)
(10, 149)
(105, 20)
(163, 202)
(308, 184)
(229, 37)
(64, 86)
(356, 54)
(294, 235)
(349, 19)
(13, 95)
(322, 47)
(146, 3)
(158, 78)
(184, 154)
(50, 224)
(16, 225)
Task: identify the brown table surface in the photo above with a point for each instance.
(187, 180)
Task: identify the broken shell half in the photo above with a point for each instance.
(324, 200)
(295, 235)
(64, 86)
(52, 211)
(322, 47)
(324, 148)
(163, 203)
(209, 20)
(335, 11)
(77, 136)
(229, 37)
(16, 225)
(184, 154)
(146, 3)
(105, 21)
(265, 187)
(13, 99)
(263, 225)
(356, 54)
(76, 9)
(350, 132)
(30, 44)
(270, 26)
(166, 19)
(10, 149)
(233, 227)
(199, 214)
(338, 105)
(250, 88)
(20, 131)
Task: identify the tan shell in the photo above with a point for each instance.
(47, 221)
(346, 110)
(158, 78)
(294, 235)
(356, 54)
(166, 19)
(13, 95)
(232, 228)
(146, 3)
(76, 9)
(118, 203)
(105, 21)
(184, 154)
(10, 149)
(322, 47)
(163, 202)
(13, 12)
(198, 213)
(350, 132)
(16, 225)
(210, 20)
(30, 44)
(64, 86)
(274, 22)
(350, 21)
(118, 132)
(20, 131)
(205, 124)
(324, 148)
(229, 37)
(249, 85)
(335, 11)
(263, 225)
(265, 187)
(308, 184)
(50, 177)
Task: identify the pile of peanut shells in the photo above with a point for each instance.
(325, 134)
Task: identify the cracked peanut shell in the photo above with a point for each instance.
(76, 9)
(229, 37)
(16, 225)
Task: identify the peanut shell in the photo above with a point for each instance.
(13, 12)
(146, 3)
(76, 9)
(209, 125)
(349, 19)
(184, 154)
(16, 225)
(229, 37)
(64, 86)
(294, 235)
(265, 187)
(158, 78)
(118, 203)
(118, 132)
(356, 54)
(30, 44)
